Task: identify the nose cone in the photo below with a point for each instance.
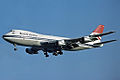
(3, 36)
(6, 38)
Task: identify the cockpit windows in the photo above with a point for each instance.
(12, 31)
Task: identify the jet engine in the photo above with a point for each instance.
(87, 39)
(30, 51)
(61, 42)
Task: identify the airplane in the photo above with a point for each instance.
(54, 44)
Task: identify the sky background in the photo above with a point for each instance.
(67, 18)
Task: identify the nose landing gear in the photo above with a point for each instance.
(15, 49)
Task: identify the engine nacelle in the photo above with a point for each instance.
(86, 39)
(30, 51)
(61, 42)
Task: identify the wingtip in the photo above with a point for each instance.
(113, 31)
(113, 40)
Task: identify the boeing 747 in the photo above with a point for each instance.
(54, 44)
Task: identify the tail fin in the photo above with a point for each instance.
(98, 30)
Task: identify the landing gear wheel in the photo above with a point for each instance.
(46, 55)
(15, 49)
(61, 53)
(55, 54)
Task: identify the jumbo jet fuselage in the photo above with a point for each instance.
(31, 39)
(54, 44)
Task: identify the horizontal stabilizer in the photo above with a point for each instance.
(102, 34)
(104, 42)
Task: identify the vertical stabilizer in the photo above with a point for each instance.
(98, 30)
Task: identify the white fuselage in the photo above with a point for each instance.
(27, 38)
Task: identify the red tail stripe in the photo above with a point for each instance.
(99, 38)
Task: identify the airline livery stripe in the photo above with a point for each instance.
(26, 37)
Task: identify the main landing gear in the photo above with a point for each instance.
(45, 53)
(56, 53)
